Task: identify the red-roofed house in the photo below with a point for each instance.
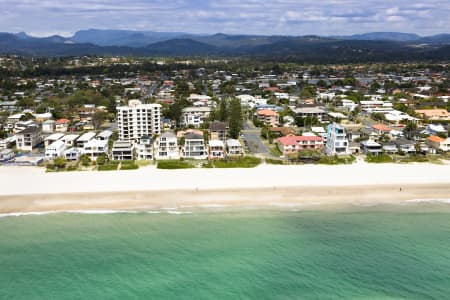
(294, 143)
(438, 143)
(381, 128)
(268, 117)
(62, 125)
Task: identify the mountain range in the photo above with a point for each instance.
(375, 46)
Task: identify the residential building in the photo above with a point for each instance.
(293, 144)
(216, 149)
(137, 120)
(218, 131)
(144, 148)
(311, 112)
(55, 149)
(234, 147)
(371, 147)
(195, 116)
(94, 148)
(52, 138)
(72, 154)
(48, 126)
(194, 147)
(268, 117)
(166, 147)
(62, 125)
(104, 135)
(405, 146)
(435, 129)
(438, 143)
(70, 140)
(122, 150)
(337, 142)
(29, 138)
(84, 139)
(434, 114)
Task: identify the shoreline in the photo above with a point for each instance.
(25, 189)
(326, 197)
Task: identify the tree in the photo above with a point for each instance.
(222, 113)
(26, 117)
(85, 160)
(101, 159)
(60, 162)
(98, 118)
(235, 119)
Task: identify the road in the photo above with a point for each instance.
(252, 136)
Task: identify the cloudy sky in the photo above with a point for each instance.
(287, 17)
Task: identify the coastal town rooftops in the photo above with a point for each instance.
(266, 112)
(309, 110)
(218, 126)
(62, 121)
(193, 136)
(433, 113)
(381, 127)
(216, 143)
(54, 137)
(31, 129)
(87, 136)
(435, 139)
(105, 134)
(70, 137)
(295, 139)
(233, 143)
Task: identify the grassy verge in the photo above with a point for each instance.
(274, 161)
(337, 160)
(108, 167)
(241, 162)
(379, 159)
(174, 164)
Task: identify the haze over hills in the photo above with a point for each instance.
(376, 46)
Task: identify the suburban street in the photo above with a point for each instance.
(252, 138)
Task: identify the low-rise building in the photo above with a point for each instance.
(433, 114)
(29, 138)
(216, 149)
(218, 131)
(94, 148)
(405, 146)
(72, 154)
(194, 147)
(234, 147)
(52, 138)
(268, 117)
(438, 143)
(122, 150)
(144, 148)
(84, 139)
(6, 154)
(70, 140)
(166, 147)
(294, 143)
(195, 116)
(49, 126)
(62, 125)
(371, 147)
(55, 149)
(337, 142)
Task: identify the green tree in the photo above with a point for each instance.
(60, 162)
(85, 160)
(235, 120)
(98, 118)
(101, 160)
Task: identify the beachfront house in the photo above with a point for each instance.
(55, 149)
(84, 139)
(405, 146)
(292, 144)
(29, 138)
(52, 138)
(62, 125)
(72, 154)
(194, 147)
(94, 148)
(105, 135)
(337, 142)
(166, 147)
(371, 147)
(438, 143)
(70, 140)
(122, 150)
(234, 148)
(216, 149)
(195, 116)
(144, 148)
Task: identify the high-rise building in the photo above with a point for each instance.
(137, 120)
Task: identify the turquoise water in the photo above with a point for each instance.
(355, 254)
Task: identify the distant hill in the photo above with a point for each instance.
(375, 47)
(128, 38)
(384, 36)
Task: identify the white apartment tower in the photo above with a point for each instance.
(137, 120)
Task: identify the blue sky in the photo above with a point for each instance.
(287, 17)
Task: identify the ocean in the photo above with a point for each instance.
(398, 252)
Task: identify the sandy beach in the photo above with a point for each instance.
(29, 189)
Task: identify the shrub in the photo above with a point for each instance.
(337, 160)
(108, 167)
(174, 164)
(241, 162)
(378, 159)
(274, 161)
(131, 166)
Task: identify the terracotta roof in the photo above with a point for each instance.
(435, 139)
(62, 121)
(433, 112)
(381, 127)
(266, 112)
(295, 139)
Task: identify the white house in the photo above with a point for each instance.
(234, 147)
(195, 116)
(84, 139)
(27, 139)
(122, 150)
(54, 150)
(72, 154)
(166, 146)
(194, 146)
(70, 140)
(48, 126)
(337, 142)
(144, 148)
(6, 154)
(52, 138)
(94, 148)
(216, 149)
